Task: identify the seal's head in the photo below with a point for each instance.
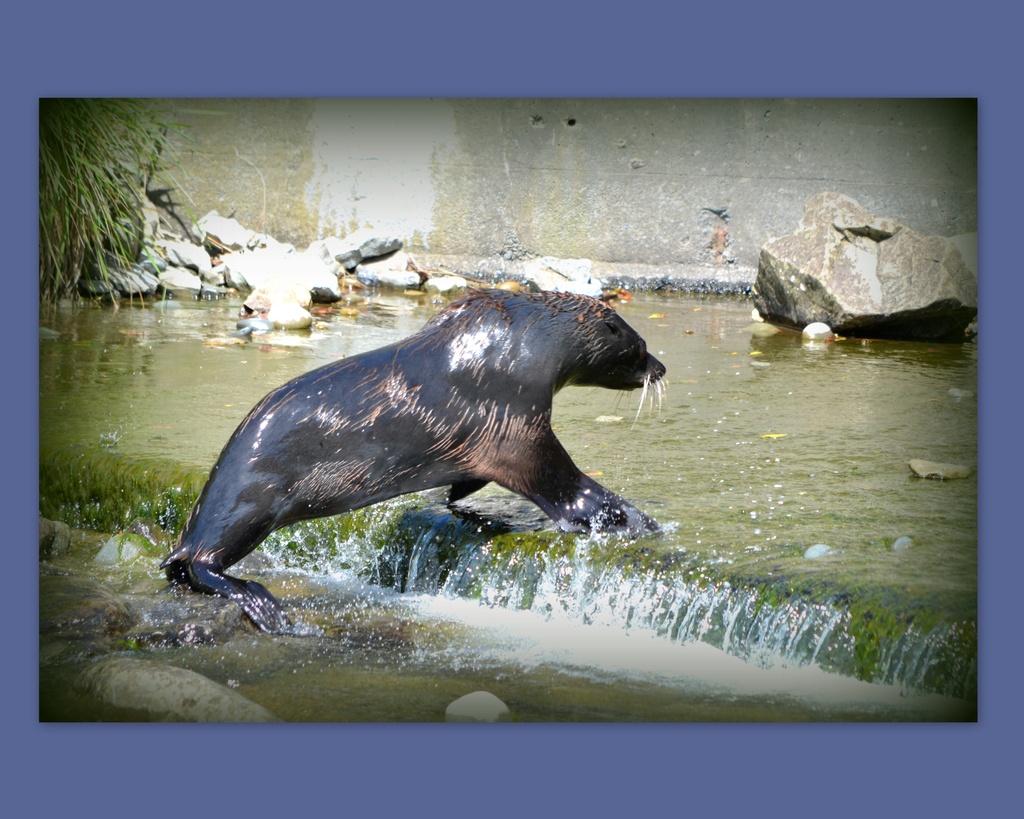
(560, 338)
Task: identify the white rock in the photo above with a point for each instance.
(901, 543)
(178, 278)
(186, 254)
(480, 706)
(818, 550)
(446, 285)
(818, 331)
(290, 316)
(390, 272)
(562, 276)
(227, 232)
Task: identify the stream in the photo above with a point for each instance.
(762, 448)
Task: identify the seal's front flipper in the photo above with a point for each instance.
(592, 508)
(258, 604)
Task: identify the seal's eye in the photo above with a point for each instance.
(615, 329)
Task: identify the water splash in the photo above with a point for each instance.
(604, 582)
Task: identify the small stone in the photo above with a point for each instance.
(901, 543)
(446, 285)
(818, 331)
(480, 706)
(818, 550)
(931, 469)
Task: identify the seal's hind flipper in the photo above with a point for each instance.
(258, 604)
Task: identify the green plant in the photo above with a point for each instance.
(95, 156)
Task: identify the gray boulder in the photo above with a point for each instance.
(145, 690)
(361, 245)
(866, 276)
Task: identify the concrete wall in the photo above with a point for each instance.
(644, 187)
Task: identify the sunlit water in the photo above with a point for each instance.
(761, 446)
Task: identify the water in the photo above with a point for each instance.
(762, 447)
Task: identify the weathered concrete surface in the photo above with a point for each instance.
(646, 188)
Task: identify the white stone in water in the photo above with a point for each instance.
(817, 550)
(480, 706)
(117, 548)
(290, 316)
(901, 543)
(818, 331)
(448, 285)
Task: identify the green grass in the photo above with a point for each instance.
(95, 156)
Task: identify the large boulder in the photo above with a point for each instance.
(866, 276)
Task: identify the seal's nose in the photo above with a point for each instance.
(655, 369)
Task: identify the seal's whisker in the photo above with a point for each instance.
(653, 390)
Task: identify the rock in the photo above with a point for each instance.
(327, 250)
(939, 471)
(901, 543)
(123, 548)
(54, 537)
(866, 276)
(290, 316)
(390, 271)
(361, 245)
(818, 331)
(227, 233)
(73, 608)
(818, 550)
(562, 276)
(270, 269)
(446, 285)
(480, 706)
(191, 257)
(149, 690)
(132, 281)
(181, 281)
(253, 326)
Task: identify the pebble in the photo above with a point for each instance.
(480, 706)
(818, 550)
(931, 469)
(901, 543)
(817, 331)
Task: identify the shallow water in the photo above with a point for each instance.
(761, 446)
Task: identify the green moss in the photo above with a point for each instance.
(106, 492)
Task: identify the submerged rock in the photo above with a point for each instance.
(145, 689)
(931, 469)
(480, 706)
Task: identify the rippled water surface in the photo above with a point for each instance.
(761, 446)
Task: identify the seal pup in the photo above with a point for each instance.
(463, 402)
